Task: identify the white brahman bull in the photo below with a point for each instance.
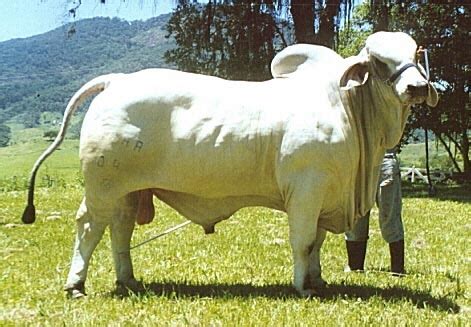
(308, 142)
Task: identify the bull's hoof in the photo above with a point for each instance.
(313, 287)
(318, 283)
(314, 283)
(76, 291)
(130, 286)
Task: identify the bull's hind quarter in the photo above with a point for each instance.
(307, 142)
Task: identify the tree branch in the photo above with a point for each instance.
(448, 150)
(454, 140)
(280, 33)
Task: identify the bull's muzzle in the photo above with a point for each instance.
(420, 90)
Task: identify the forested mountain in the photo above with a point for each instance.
(41, 73)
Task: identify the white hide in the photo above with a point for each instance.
(207, 154)
(308, 142)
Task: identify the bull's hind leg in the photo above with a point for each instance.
(121, 228)
(89, 233)
(315, 278)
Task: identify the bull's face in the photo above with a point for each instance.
(391, 59)
(395, 63)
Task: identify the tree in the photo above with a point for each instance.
(30, 119)
(315, 21)
(232, 41)
(50, 135)
(5, 135)
(238, 38)
(444, 30)
(318, 21)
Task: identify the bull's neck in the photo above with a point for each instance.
(364, 109)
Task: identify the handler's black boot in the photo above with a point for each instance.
(356, 251)
(396, 250)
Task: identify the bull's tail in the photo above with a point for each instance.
(93, 87)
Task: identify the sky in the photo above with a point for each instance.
(24, 18)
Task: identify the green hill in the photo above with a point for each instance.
(39, 74)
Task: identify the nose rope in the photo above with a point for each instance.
(394, 76)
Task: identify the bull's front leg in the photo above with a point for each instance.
(89, 233)
(302, 238)
(303, 232)
(303, 203)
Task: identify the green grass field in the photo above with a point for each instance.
(17, 160)
(239, 276)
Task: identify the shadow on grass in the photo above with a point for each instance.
(420, 299)
(455, 192)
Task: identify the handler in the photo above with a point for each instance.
(389, 202)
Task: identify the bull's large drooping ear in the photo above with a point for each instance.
(354, 75)
(432, 98)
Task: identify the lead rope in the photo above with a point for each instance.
(168, 231)
(431, 189)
